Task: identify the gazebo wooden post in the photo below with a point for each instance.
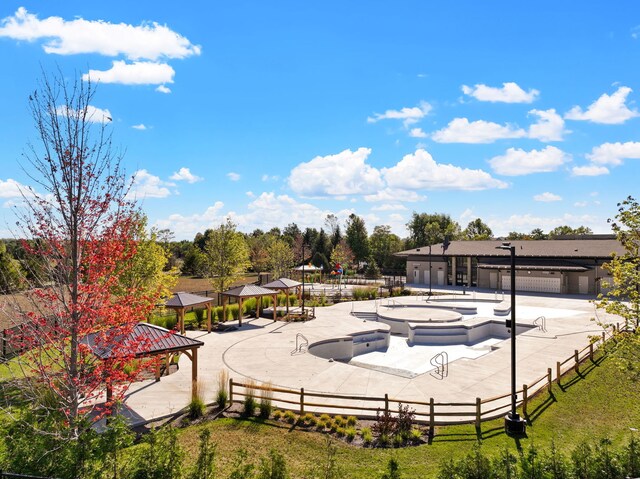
(286, 292)
(275, 306)
(182, 320)
(258, 306)
(194, 373)
(224, 308)
(240, 300)
(208, 317)
(157, 369)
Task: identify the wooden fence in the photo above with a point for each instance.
(427, 412)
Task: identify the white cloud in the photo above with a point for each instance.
(141, 126)
(408, 115)
(550, 126)
(345, 173)
(614, 153)
(527, 222)
(233, 176)
(136, 73)
(608, 109)
(509, 93)
(13, 189)
(186, 227)
(517, 162)
(146, 185)
(250, 194)
(184, 174)
(419, 171)
(163, 89)
(580, 204)
(460, 130)
(389, 207)
(149, 41)
(417, 133)
(266, 177)
(589, 170)
(395, 194)
(547, 197)
(93, 114)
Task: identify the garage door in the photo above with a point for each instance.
(533, 283)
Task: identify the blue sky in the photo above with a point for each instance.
(525, 115)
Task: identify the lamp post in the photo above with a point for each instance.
(429, 272)
(303, 276)
(513, 423)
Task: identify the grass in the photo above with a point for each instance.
(601, 402)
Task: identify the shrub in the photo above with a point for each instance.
(384, 440)
(350, 433)
(204, 468)
(273, 466)
(341, 432)
(277, 415)
(339, 420)
(266, 404)
(397, 441)
(415, 435)
(385, 424)
(197, 405)
(249, 403)
(223, 394)
(404, 422)
(367, 436)
(290, 417)
(321, 425)
(352, 421)
(325, 418)
(199, 317)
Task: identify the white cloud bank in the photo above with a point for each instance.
(91, 114)
(461, 130)
(550, 126)
(136, 73)
(146, 185)
(509, 93)
(149, 41)
(408, 115)
(614, 153)
(547, 197)
(608, 109)
(516, 162)
(184, 174)
(10, 188)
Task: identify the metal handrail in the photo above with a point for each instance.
(301, 342)
(541, 322)
(441, 363)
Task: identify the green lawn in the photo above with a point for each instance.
(601, 402)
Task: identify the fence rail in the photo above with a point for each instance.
(428, 412)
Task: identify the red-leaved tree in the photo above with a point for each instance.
(85, 229)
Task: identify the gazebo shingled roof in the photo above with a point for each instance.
(146, 340)
(248, 291)
(282, 283)
(181, 301)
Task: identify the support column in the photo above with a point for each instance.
(454, 271)
(239, 311)
(208, 317)
(469, 271)
(224, 308)
(194, 372)
(181, 320)
(275, 307)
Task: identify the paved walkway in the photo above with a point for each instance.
(262, 350)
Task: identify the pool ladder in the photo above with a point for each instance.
(302, 344)
(441, 363)
(541, 322)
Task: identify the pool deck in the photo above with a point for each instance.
(262, 350)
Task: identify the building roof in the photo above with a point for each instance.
(184, 300)
(144, 340)
(567, 248)
(248, 291)
(282, 283)
(308, 267)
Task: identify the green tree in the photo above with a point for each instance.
(477, 230)
(280, 258)
(623, 299)
(259, 250)
(383, 244)
(357, 237)
(568, 231)
(11, 273)
(342, 254)
(227, 255)
(322, 244)
(514, 235)
(425, 229)
(538, 234)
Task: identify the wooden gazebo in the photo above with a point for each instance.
(181, 301)
(308, 269)
(286, 285)
(248, 291)
(147, 340)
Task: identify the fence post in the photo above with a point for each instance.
(576, 358)
(525, 398)
(478, 412)
(558, 372)
(301, 401)
(230, 391)
(386, 404)
(4, 343)
(604, 337)
(591, 351)
(549, 379)
(432, 418)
